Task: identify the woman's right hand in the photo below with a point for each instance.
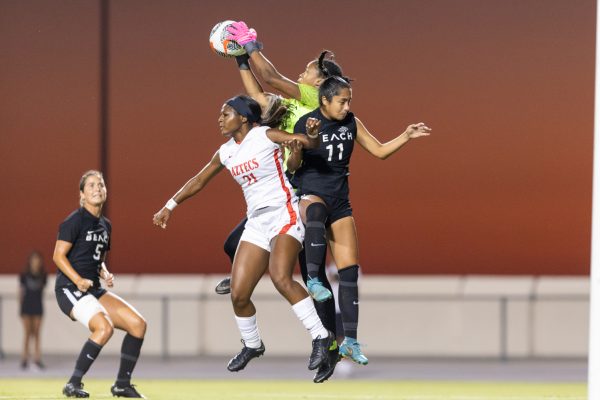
(293, 145)
(84, 284)
(160, 218)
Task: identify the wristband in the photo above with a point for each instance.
(171, 204)
(316, 135)
(253, 46)
(242, 62)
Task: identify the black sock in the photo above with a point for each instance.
(325, 309)
(130, 351)
(348, 299)
(314, 239)
(88, 354)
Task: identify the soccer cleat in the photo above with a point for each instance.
(317, 291)
(320, 350)
(75, 390)
(241, 359)
(326, 369)
(224, 286)
(350, 348)
(126, 391)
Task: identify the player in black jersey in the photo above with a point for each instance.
(321, 176)
(79, 254)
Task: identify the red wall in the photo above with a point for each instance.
(503, 186)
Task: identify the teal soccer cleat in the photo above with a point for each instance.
(350, 348)
(317, 291)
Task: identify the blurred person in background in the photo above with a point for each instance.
(32, 282)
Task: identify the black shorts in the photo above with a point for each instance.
(336, 208)
(68, 296)
(32, 308)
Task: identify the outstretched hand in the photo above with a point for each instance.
(417, 130)
(240, 32)
(160, 218)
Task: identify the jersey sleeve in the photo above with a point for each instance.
(70, 228)
(224, 153)
(309, 96)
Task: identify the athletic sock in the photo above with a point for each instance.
(306, 312)
(130, 351)
(314, 239)
(348, 299)
(249, 331)
(89, 352)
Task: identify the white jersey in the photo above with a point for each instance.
(257, 165)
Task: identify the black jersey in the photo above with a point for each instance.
(91, 240)
(325, 170)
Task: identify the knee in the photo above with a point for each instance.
(103, 331)
(138, 327)
(239, 299)
(316, 212)
(282, 282)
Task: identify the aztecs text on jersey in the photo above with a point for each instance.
(257, 165)
(325, 170)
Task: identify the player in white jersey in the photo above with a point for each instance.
(274, 232)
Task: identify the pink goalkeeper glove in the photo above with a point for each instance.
(240, 32)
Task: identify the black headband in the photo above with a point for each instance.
(242, 108)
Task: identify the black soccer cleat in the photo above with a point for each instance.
(241, 359)
(320, 350)
(326, 369)
(224, 286)
(125, 391)
(75, 390)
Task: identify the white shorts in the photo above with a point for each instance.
(268, 222)
(86, 308)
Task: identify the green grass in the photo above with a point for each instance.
(299, 390)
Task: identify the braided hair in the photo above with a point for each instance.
(328, 67)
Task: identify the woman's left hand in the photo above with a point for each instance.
(417, 130)
(108, 277)
(312, 126)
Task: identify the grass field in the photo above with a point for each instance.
(298, 390)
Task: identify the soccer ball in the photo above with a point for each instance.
(220, 44)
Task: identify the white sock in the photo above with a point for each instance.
(306, 312)
(249, 331)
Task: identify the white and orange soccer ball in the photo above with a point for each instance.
(219, 43)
